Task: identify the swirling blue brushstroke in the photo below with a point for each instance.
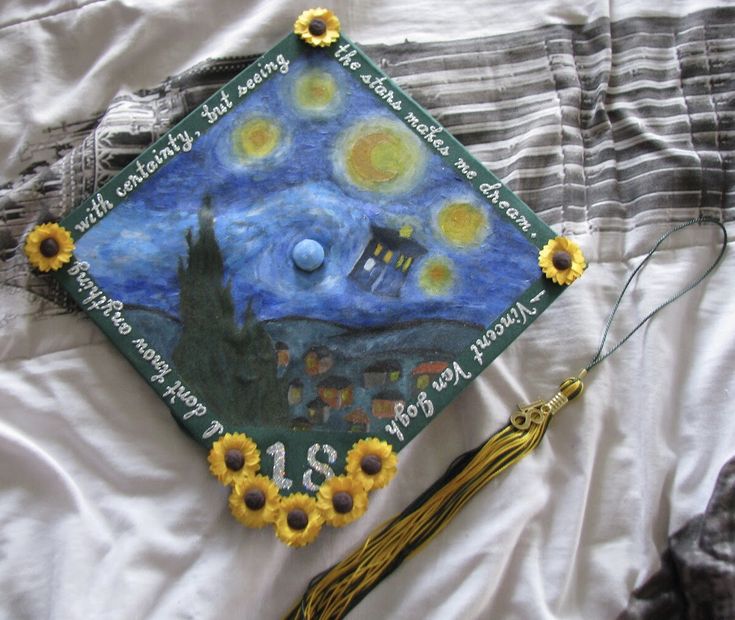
(263, 210)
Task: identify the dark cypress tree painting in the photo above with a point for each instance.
(232, 367)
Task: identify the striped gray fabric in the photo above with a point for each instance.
(604, 126)
(594, 124)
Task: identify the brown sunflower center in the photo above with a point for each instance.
(234, 459)
(371, 464)
(297, 519)
(254, 499)
(317, 26)
(49, 247)
(562, 260)
(342, 502)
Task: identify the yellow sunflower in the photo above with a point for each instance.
(254, 501)
(341, 500)
(48, 247)
(561, 260)
(299, 520)
(233, 457)
(318, 27)
(372, 462)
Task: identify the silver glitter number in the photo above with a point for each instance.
(317, 466)
(278, 452)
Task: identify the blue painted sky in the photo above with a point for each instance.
(301, 190)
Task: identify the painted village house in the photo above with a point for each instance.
(425, 373)
(318, 360)
(378, 374)
(337, 392)
(386, 261)
(317, 411)
(282, 354)
(295, 391)
(358, 421)
(301, 424)
(384, 403)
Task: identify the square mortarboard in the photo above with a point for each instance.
(306, 269)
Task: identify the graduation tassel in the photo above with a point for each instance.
(334, 592)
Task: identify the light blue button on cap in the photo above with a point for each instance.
(308, 254)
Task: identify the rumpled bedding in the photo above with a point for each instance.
(613, 121)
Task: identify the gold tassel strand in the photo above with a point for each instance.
(332, 594)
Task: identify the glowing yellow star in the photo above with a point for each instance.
(463, 224)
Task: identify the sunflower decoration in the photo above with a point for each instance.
(299, 520)
(233, 457)
(562, 260)
(372, 462)
(318, 27)
(49, 247)
(341, 500)
(254, 501)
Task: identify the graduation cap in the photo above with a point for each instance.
(307, 269)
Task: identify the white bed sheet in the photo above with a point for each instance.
(108, 510)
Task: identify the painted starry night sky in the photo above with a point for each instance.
(313, 154)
